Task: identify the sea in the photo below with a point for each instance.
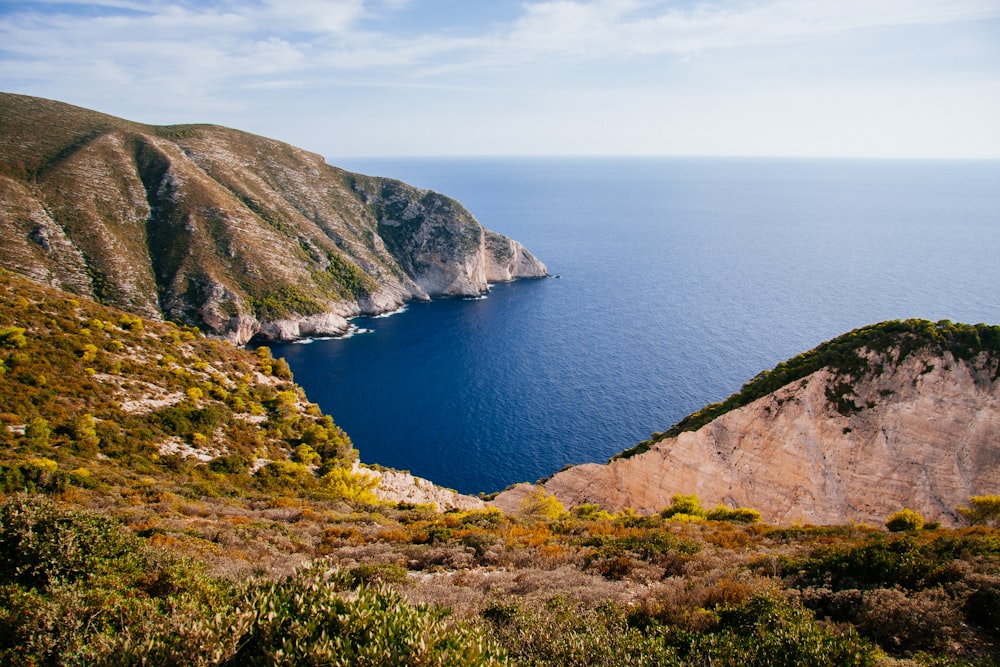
(673, 282)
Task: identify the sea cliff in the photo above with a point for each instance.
(237, 234)
(913, 424)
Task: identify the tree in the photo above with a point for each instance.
(540, 506)
(85, 432)
(985, 510)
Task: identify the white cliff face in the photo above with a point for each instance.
(929, 441)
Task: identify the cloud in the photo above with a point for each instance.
(599, 28)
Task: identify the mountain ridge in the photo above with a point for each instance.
(239, 235)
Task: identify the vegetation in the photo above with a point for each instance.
(846, 357)
(94, 398)
(170, 499)
(983, 510)
(904, 519)
(407, 585)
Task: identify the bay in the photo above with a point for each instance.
(678, 280)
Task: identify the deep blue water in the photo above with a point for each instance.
(680, 279)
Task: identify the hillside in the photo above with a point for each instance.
(236, 234)
(95, 399)
(167, 498)
(899, 414)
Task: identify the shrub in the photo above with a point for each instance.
(737, 515)
(13, 337)
(42, 542)
(540, 506)
(683, 505)
(345, 484)
(308, 619)
(903, 520)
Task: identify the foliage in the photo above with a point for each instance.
(538, 505)
(95, 389)
(309, 620)
(763, 631)
(983, 510)
(683, 506)
(279, 302)
(904, 519)
(735, 515)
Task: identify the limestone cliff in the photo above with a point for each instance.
(915, 423)
(237, 234)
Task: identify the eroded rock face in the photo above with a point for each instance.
(926, 436)
(234, 233)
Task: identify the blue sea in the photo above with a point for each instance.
(678, 279)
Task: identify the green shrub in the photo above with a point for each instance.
(903, 520)
(736, 515)
(41, 542)
(309, 620)
(13, 337)
(684, 505)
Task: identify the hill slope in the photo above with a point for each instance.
(95, 400)
(901, 414)
(234, 233)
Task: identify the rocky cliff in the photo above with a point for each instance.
(240, 235)
(896, 415)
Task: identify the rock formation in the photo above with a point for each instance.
(913, 425)
(234, 233)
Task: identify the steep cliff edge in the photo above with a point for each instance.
(903, 414)
(239, 235)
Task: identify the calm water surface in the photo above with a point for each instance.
(679, 279)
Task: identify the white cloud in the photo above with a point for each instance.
(603, 27)
(564, 75)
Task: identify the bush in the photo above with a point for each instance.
(903, 520)
(683, 506)
(309, 619)
(540, 506)
(41, 542)
(737, 515)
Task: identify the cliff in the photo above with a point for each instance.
(898, 415)
(239, 235)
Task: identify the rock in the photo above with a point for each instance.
(402, 487)
(926, 436)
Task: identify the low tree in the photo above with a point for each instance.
(984, 510)
(540, 506)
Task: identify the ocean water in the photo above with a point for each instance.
(678, 280)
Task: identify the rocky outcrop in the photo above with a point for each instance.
(917, 429)
(402, 487)
(240, 235)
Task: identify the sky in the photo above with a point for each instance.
(838, 78)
